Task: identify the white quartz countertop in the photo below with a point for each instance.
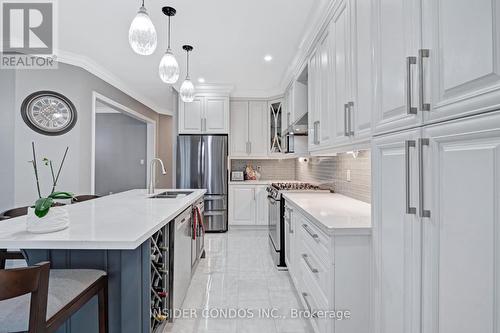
(332, 212)
(121, 221)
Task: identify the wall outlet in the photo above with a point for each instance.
(348, 175)
(141, 162)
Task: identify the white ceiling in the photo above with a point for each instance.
(230, 39)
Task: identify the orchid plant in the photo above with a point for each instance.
(43, 204)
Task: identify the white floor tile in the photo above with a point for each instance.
(238, 274)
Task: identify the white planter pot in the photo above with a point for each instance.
(56, 219)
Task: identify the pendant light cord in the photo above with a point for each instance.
(187, 66)
(142, 3)
(168, 33)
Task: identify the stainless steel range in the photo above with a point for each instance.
(276, 216)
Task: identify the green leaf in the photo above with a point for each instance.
(61, 195)
(42, 206)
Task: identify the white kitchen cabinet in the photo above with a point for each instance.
(207, 114)
(258, 129)
(397, 39)
(462, 71)
(248, 205)
(439, 254)
(329, 271)
(312, 99)
(262, 207)
(339, 31)
(238, 134)
(396, 234)
(248, 130)
(242, 205)
(461, 236)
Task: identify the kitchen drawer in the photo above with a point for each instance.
(312, 299)
(319, 271)
(318, 242)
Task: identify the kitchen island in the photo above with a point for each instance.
(115, 234)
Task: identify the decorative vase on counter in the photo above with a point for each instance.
(250, 173)
(56, 219)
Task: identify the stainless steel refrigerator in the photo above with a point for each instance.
(202, 163)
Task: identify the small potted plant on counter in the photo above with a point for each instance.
(48, 214)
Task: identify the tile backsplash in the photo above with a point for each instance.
(325, 170)
(333, 170)
(269, 169)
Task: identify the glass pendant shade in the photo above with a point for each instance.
(169, 68)
(142, 33)
(187, 91)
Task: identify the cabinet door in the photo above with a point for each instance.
(397, 235)
(462, 73)
(313, 141)
(216, 115)
(257, 128)
(190, 116)
(461, 280)
(361, 69)
(340, 30)
(299, 97)
(261, 205)
(242, 205)
(325, 98)
(397, 26)
(238, 134)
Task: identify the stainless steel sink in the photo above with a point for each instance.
(171, 195)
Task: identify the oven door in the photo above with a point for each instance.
(274, 222)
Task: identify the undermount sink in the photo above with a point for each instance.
(171, 195)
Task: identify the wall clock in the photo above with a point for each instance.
(48, 113)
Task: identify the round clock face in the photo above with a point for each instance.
(48, 113)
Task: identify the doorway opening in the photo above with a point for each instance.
(123, 144)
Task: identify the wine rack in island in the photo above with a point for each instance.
(160, 277)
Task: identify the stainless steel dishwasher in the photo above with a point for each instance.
(182, 257)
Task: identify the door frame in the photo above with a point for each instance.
(150, 140)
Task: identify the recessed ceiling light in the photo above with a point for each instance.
(268, 57)
(201, 80)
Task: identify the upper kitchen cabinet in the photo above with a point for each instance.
(460, 58)
(276, 114)
(207, 114)
(396, 26)
(294, 103)
(248, 130)
(340, 80)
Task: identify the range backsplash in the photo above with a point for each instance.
(333, 171)
(325, 170)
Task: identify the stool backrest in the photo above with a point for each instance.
(32, 280)
(14, 212)
(82, 198)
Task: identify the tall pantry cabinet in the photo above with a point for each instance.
(435, 166)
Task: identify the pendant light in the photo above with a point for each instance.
(169, 68)
(187, 87)
(142, 33)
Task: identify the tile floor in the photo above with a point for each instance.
(238, 273)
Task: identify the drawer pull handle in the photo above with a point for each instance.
(309, 308)
(312, 234)
(311, 268)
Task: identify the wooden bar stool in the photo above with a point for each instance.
(55, 295)
(11, 254)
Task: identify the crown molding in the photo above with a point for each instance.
(225, 89)
(319, 23)
(94, 68)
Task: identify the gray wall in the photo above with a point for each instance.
(77, 84)
(7, 108)
(121, 143)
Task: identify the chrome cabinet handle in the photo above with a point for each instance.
(246, 148)
(409, 85)
(309, 308)
(350, 107)
(422, 53)
(421, 143)
(408, 144)
(311, 268)
(249, 147)
(313, 235)
(346, 119)
(316, 133)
